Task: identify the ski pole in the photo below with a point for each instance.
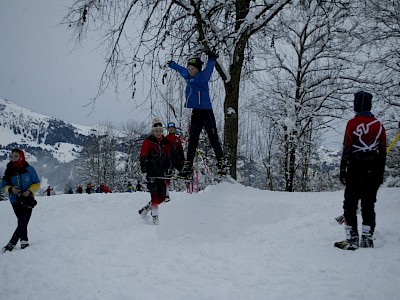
(394, 142)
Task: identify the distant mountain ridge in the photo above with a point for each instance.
(51, 145)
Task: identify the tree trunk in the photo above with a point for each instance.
(231, 105)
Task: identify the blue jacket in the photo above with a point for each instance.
(25, 178)
(197, 90)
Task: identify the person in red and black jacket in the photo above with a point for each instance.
(361, 170)
(177, 154)
(155, 162)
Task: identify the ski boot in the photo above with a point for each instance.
(155, 220)
(24, 244)
(144, 210)
(167, 199)
(367, 240)
(351, 242)
(187, 170)
(9, 247)
(341, 220)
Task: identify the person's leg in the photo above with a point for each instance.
(368, 200)
(23, 215)
(350, 204)
(196, 125)
(167, 186)
(211, 127)
(161, 190)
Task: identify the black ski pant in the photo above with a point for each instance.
(362, 188)
(23, 215)
(203, 118)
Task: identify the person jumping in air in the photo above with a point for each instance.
(361, 171)
(198, 98)
(155, 162)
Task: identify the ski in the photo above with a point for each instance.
(171, 178)
(394, 142)
(345, 245)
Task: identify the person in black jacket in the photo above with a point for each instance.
(155, 162)
(21, 182)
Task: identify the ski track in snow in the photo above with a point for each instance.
(227, 242)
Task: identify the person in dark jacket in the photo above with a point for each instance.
(89, 188)
(361, 171)
(177, 155)
(48, 191)
(79, 189)
(21, 182)
(155, 162)
(198, 98)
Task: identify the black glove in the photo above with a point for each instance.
(343, 171)
(342, 176)
(169, 63)
(213, 55)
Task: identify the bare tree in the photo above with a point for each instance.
(98, 158)
(310, 66)
(137, 33)
(132, 139)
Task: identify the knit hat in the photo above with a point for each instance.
(195, 62)
(362, 101)
(156, 123)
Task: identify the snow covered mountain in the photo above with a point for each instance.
(50, 144)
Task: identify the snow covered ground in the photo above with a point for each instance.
(228, 242)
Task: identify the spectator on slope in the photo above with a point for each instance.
(130, 188)
(79, 189)
(155, 162)
(48, 191)
(89, 188)
(361, 171)
(21, 182)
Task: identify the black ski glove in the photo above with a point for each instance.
(342, 176)
(343, 171)
(213, 55)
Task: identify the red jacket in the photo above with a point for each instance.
(365, 137)
(155, 156)
(177, 155)
(364, 148)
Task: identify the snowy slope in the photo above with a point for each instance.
(228, 242)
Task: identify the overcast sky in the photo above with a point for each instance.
(40, 70)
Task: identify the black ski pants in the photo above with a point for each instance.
(360, 185)
(23, 215)
(203, 118)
